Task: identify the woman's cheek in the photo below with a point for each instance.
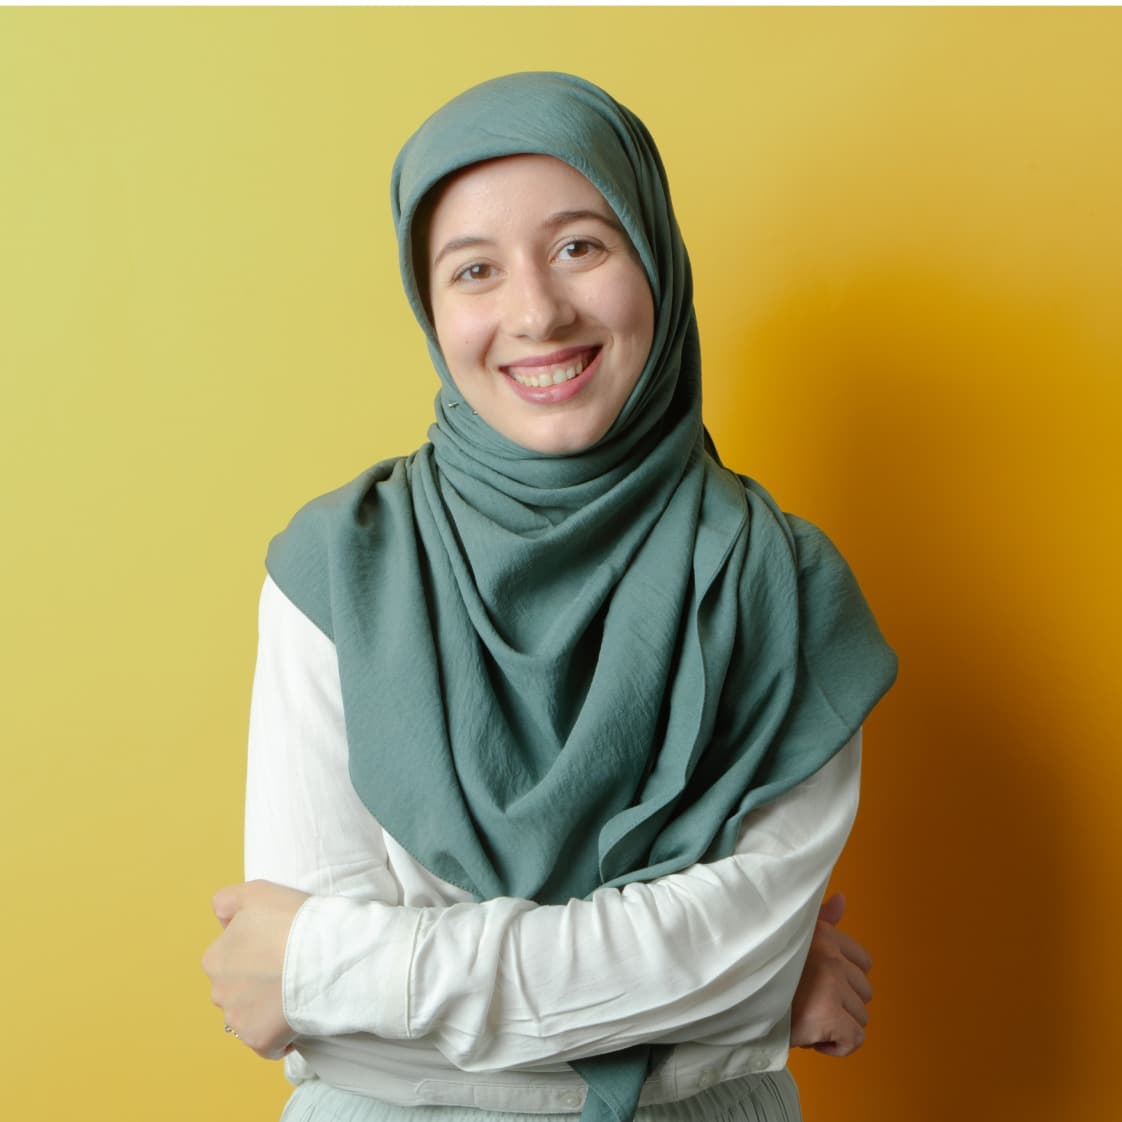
(461, 337)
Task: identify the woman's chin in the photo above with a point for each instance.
(558, 437)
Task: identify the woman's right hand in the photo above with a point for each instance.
(246, 962)
(828, 1011)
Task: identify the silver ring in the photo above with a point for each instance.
(226, 1028)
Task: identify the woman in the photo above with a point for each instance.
(555, 734)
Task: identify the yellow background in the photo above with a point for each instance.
(905, 230)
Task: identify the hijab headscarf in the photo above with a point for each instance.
(561, 672)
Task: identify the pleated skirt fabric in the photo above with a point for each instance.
(770, 1097)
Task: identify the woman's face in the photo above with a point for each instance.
(542, 311)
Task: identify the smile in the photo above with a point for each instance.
(552, 370)
(551, 376)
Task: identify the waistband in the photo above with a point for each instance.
(769, 1097)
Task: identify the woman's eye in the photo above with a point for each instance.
(577, 250)
(480, 271)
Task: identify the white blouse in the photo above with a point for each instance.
(400, 987)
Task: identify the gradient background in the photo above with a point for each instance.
(905, 227)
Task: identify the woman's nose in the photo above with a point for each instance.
(538, 304)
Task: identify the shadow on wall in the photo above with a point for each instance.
(949, 432)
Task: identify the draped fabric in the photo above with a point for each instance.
(562, 672)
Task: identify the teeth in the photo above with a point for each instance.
(553, 376)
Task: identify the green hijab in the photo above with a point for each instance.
(565, 672)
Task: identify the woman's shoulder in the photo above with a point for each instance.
(810, 545)
(840, 643)
(329, 531)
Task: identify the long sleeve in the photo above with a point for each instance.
(710, 954)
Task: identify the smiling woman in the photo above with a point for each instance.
(556, 724)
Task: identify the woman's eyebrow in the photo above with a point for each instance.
(564, 217)
(468, 241)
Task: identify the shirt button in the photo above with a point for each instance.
(571, 1099)
(707, 1078)
(759, 1062)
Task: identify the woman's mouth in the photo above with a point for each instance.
(553, 377)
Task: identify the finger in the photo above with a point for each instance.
(855, 1007)
(858, 981)
(210, 964)
(854, 951)
(846, 1044)
(832, 910)
(227, 902)
(848, 1035)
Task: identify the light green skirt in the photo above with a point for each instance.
(771, 1097)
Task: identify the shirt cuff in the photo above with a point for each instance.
(347, 966)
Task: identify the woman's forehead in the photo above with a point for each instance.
(527, 189)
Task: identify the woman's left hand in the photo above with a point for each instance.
(828, 1013)
(245, 963)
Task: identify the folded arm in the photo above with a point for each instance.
(713, 953)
